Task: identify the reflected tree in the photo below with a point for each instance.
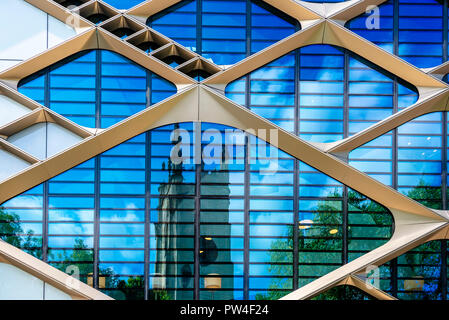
(423, 265)
(80, 257)
(11, 231)
(425, 194)
(132, 288)
(323, 236)
(280, 267)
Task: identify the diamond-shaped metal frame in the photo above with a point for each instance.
(205, 101)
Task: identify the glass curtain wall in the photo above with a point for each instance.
(96, 88)
(136, 225)
(141, 225)
(224, 31)
(322, 93)
(416, 31)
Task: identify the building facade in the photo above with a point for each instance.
(224, 149)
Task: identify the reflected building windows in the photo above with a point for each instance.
(271, 221)
(171, 240)
(144, 220)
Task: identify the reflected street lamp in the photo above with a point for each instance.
(212, 282)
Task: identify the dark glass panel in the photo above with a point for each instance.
(344, 293)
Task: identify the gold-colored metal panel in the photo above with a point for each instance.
(146, 9)
(43, 271)
(355, 10)
(108, 41)
(294, 9)
(173, 49)
(311, 35)
(436, 103)
(119, 22)
(79, 24)
(146, 36)
(340, 36)
(84, 41)
(198, 64)
(182, 107)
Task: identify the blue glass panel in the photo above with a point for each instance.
(169, 216)
(223, 28)
(420, 32)
(123, 4)
(74, 86)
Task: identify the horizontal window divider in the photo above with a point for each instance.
(318, 264)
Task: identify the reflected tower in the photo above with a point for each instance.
(214, 252)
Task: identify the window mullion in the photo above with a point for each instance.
(199, 27)
(147, 195)
(96, 262)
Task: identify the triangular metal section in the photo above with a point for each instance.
(218, 109)
(48, 274)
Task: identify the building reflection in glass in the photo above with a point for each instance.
(243, 229)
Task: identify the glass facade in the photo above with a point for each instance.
(97, 88)
(222, 31)
(136, 223)
(322, 93)
(420, 274)
(344, 292)
(19, 43)
(415, 166)
(415, 30)
(123, 4)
